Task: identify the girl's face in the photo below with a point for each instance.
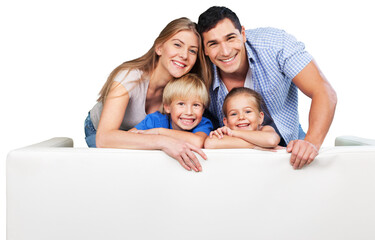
(242, 113)
(179, 53)
(185, 114)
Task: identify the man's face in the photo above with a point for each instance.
(224, 45)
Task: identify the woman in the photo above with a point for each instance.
(134, 89)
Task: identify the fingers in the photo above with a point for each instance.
(303, 153)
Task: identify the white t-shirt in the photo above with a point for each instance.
(135, 111)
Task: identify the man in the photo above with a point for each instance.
(274, 64)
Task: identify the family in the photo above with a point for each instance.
(214, 85)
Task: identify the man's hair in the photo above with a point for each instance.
(246, 91)
(185, 87)
(209, 19)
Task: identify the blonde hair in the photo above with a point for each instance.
(185, 87)
(148, 62)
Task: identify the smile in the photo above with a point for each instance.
(187, 121)
(243, 125)
(229, 59)
(179, 64)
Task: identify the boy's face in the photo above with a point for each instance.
(185, 114)
(225, 46)
(242, 113)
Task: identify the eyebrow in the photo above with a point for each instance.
(227, 36)
(176, 39)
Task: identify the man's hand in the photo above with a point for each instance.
(303, 152)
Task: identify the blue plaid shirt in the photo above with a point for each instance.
(275, 58)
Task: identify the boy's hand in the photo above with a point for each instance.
(220, 132)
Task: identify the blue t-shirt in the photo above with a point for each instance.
(159, 120)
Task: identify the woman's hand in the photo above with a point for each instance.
(154, 131)
(183, 152)
(220, 132)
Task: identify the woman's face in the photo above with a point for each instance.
(179, 53)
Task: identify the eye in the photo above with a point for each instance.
(197, 105)
(193, 51)
(212, 44)
(177, 45)
(247, 111)
(181, 103)
(233, 114)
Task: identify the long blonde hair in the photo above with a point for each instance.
(148, 62)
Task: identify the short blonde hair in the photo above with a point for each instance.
(185, 87)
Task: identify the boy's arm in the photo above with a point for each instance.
(266, 137)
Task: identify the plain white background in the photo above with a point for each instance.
(56, 55)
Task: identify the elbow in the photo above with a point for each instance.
(100, 140)
(273, 141)
(199, 142)
(333, 97)
(209, 143)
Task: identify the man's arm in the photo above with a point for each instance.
(323, 103)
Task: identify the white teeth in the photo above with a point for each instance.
(228, 60)
(179, 64)
(187, 121)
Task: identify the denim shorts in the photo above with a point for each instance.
(90, 132)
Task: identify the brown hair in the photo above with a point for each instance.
(148, 62)
(243, 90)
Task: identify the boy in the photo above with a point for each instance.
(184, 101)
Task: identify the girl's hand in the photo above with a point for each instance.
(220, 132)
(183, 152)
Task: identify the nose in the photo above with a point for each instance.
(184, 53)
(224, 49)
(241, 115)
(189, 110)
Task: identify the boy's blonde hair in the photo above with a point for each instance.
(185, 87)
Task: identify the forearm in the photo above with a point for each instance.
(226, 142)
(321, 115)
(129, 140)
(192, 138)
(260, 138)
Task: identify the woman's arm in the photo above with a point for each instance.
(109, 135)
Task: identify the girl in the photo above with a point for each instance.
(243, 120)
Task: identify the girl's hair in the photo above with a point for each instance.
(243, 90)
(185, 87)
(148, 62)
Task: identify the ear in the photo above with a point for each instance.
(225, 121)
(167, 108)
(158, 49)
(261, 117)
(243, 33)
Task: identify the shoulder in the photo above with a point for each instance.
(128, 76)
(266, 37)
(204, 126)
